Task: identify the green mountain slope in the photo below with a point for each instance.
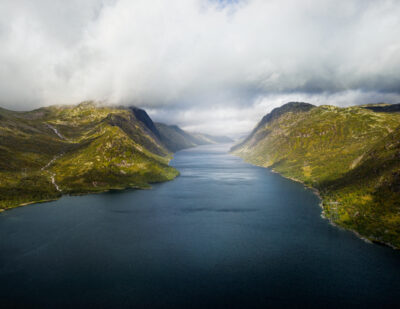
(77, 149)
(351, 155)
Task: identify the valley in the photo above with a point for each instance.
(86, 148)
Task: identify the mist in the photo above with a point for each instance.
(210, 66)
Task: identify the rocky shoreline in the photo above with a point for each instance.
(333, 223)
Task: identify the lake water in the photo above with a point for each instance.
(225, 234)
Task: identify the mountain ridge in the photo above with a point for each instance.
(350, 155)
(178, 139)
(276, 113)
(77, 149)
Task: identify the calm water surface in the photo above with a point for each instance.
(224, 234)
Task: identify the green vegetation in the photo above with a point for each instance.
(77, 149)
(351, 155)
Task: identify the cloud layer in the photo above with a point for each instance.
(216, 65)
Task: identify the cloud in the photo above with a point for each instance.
(229, 61)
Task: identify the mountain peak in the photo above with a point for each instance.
(285, 108)
(294, 106)
(275, 114)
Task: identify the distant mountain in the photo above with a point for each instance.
(212, 139)
(383, 108)
(174, 138)
(351, 155)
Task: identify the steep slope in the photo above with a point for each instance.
(350, 155)
(211, 139)
(174, 138)
(77, 149)
(142, 116)
(367, 198)
(275, 114)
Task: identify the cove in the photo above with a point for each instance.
(224, 234)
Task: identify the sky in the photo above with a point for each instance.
(209, 66)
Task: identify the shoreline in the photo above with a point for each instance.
(136, 187)
(331, 222)
(73, 194)
(148, 187)
(30, 203)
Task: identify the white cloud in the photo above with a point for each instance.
(198, 57)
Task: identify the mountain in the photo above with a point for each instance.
(58, 150)
(176, 139)
(211, 139)
(351, 155)
(383, 108)
(84, 148)
(275, 113)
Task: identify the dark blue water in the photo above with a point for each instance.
(224, 234)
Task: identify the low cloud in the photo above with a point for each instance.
(206, 65)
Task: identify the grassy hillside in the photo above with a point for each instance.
(351, 155)
(77, 149)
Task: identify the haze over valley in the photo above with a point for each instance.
(205, 65)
